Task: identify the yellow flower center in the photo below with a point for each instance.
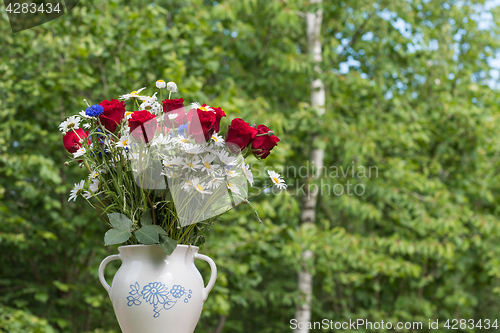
(207, 165)
(200, 188)
(214, 138)
(203, 108)
(161, 81)
(125, 142)
(229, 185)
(276, 180)
(185, 140)
(71, 125)
(190, 165)
(128, 113)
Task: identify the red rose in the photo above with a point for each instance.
(218, 116)
(72, 140)
(173, 104)
(181, 118)
(239, 134)
(114, 111)
(142, 125)
(262, 145)
(201, 124)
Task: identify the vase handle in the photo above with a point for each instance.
(102, 266)
(213, 275)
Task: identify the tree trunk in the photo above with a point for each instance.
(308, 215)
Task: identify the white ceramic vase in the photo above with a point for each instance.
(153, 292)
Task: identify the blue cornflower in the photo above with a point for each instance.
(94, 110)
(182, 130)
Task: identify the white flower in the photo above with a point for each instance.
(94, 186)
(233, 187)
(72, 122)
(124, 141)
(230, 172)
(200, 187)
(218, 140)
(84, 115)
(79, 152)
(225, 158)
(160, 84)
(76, 191)
(134, 94)
(94, 175)
(197, 105)
(173, 161)
(171, 86)
(192, 164)
(276, 179)
(248, 173)
(206, 163)
(194, 148)
(86, 126)
(87, 195)
(188, 186)
(215, 182)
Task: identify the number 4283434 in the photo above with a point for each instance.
(455, 324)
(23, 8)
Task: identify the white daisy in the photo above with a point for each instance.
(160, 84)
(215, 182)
(161, 139)
(197, 105)
(218, 140)
(248, 173)
(171, 86)
(191, 164)
(194, 148)
(230, 172)
(87, 195)
(72, 122)
(76, 191)
(94, 186)
(206, 163)
(84, 115)
(124, 141)
(175, 161)
(232, 187)
(79, 152)
(200, 187)
(94, 175)
(134, 94)
(188, 186)
(86, 126)
(225, 158)
(276, 179)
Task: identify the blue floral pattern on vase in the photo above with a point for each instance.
(158, 295)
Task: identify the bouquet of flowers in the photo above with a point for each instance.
(162, 173)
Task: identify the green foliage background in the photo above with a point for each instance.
(420, 243)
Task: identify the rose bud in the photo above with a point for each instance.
(73, 140)
(142, 125)
(201, 125)
(173, 104)
(113, 113)
(264, 142)
(239, 134)
(218, 116)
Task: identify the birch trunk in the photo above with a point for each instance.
(308, 215)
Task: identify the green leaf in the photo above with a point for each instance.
(160, 230)
(120, 221)
(146, 218)
(147, 235)
(115, 236)
(167, 244)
